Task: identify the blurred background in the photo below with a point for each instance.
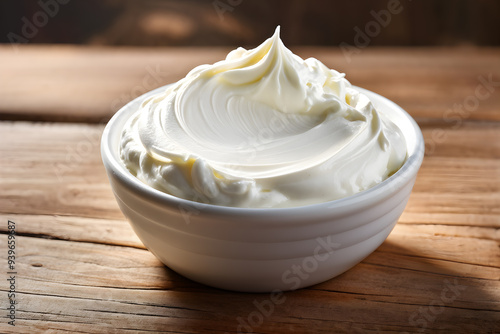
(247, 22)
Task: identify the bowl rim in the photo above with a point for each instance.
(384, 189)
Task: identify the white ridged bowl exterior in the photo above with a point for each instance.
(261, 250)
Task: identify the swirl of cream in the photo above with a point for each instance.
(262, 128)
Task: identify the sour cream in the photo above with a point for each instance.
(262, 128)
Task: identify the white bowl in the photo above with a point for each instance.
(261, 250)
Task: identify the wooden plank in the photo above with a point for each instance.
(82, 269)
(72, 83)
(65, 177)
(94, 230)
(92, 287)
(426, 82)
(459, 182)
(119, 233)
(442, 243)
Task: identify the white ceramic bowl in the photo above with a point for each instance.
(261, 250)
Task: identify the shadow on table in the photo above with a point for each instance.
(394, 289)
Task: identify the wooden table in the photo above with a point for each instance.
(81, 269)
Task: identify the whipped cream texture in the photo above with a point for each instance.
(262, 128)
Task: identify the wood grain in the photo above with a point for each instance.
(111, 288)
(105, 281)
(71, 83)
(67, 176)
(82, 269)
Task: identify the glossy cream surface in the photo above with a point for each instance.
(262, 128)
